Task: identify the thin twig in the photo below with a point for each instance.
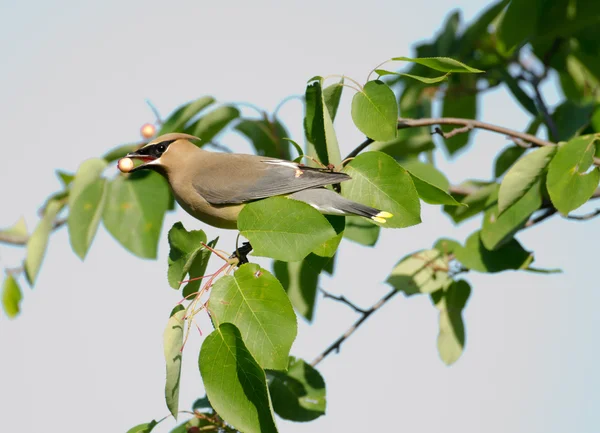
(539, 99)
(343, 300)
(585, 217)
(535, 80)
(471, 124)
(335, 346)
(455, 131)
(546, 214)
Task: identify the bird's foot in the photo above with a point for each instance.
(240, 255)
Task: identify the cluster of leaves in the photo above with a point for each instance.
(245, 362)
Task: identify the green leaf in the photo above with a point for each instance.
(119, 152)
(571, 118)
(198, 269)
(523, 175)
(426, 80)
(318, 126)
(442, 64)
(380, 182)
(300, 280)
(499, 227)
(16, 233)
(474, 255)
(361, 231)
(330, 246)
(88, 172)
(184, 249)
(235, 384)
(447, 246)
(267, 137)
(298, 149)
(451, 302)
(254, 301)
(173, 345)
(84, 216)
(11, 296)
(425, 271)
(284, 229)
(375, 111)
(38, 241)
(426, 172)
(518, 24)
(143, 428)
(506, 159)
(134, 212)
(177, 121)
(65, 178)
(431, 183)
(299, 394)
(568, 183)
(482, 197)
(432, 194)
(462, 103)
(209, 125)
(332, 95)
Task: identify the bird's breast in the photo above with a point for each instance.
(221, 216)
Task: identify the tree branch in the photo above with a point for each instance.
(467, 125)
(546, 214)
(335, 346)
(585, 217)
(343, 300)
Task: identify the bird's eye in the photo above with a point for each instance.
(161, 148)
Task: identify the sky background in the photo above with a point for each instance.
(86, 353)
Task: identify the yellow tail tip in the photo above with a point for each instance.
(384, 214)
(378, 219)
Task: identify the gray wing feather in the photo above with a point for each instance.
(257, 178)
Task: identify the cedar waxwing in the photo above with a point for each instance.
(214, 187)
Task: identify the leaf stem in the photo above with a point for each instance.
(377, 67)
(344, 77)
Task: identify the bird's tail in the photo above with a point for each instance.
(329, 202)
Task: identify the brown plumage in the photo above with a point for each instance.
(214, 187)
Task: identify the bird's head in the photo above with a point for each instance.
(156, 154)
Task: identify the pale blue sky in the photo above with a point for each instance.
(86, 353)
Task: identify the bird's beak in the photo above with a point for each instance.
(146, 160)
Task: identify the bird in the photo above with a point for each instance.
(214, 187)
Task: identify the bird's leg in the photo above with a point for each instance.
(241, 254)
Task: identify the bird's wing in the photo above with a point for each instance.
(243, 180)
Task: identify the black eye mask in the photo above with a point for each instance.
(154, 151)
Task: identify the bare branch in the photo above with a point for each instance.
(343, 300)
(546, 214)
(585, 217)
(468, 123)
(455, 131)
(548, 120)
(335, 346)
